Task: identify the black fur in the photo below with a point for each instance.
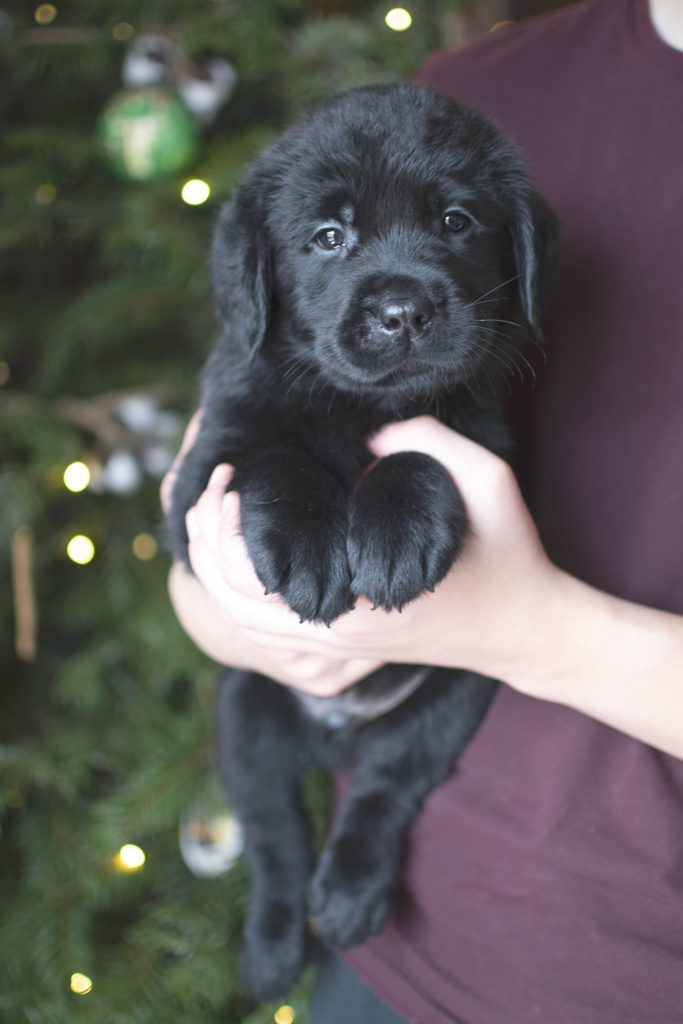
(368, 269)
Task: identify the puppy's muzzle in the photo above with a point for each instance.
(392, 322)
(396, 316)
(405, 318)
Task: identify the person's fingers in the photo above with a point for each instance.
(202, 530)
(204, 517)
(484, 478)
(323, 677)
(189, 439)
(207, 570)
(229, 576)
(427, 435)
(235, 560)
(351, 636)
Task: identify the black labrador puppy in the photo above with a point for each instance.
(369, 269)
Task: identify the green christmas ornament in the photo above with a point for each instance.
(147, 133)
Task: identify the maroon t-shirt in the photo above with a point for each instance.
(544, 880)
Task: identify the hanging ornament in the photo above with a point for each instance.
(210, 836)
(121, 473)
(157, 430)
(138, 412)
(204, 85)
(151, 60)
(148, 133)
(207, 88)
(151, 128)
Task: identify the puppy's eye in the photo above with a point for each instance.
(329, 238)
(456, 221)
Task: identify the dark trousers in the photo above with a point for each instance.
(340, 997)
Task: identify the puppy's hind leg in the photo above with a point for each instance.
(259, 747)
(404, 756)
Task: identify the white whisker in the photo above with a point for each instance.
(490, 291)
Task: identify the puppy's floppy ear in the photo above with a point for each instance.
(534, 227)
(241, 269)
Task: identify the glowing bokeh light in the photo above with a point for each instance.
(130, 858)
(45, 13)
(284, 1015)
(80, 549)
(122, 31)
(76, 476)
(195, 192)
(398, 19)
(45, 194)
(145, 547)
(81, 984)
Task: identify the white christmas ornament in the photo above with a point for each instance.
(157, 459)
(206, 90)
(121, 473)
(203, 87)
(138, 413)
(150, 60)
(210, 836)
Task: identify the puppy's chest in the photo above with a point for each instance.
(333, 438)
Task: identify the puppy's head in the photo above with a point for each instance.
(386, 242)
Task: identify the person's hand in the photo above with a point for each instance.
(487, 615)
(200, 600)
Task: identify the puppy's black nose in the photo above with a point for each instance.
(409, 315)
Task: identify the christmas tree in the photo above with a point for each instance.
(110, 913)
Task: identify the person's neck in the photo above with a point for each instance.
(667, 18)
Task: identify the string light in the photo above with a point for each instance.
(81, 984)
(45, 194)
(145, 547)
(398, 19)
(284, 1015)
(76, 477)
(195, 192)
(122, 31)
(130, 858)
(45, 13)
(80, 549)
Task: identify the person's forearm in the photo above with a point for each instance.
(618, 662)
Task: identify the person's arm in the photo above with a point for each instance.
(504, 610)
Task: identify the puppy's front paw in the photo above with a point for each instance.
(276, 949)
(301, 557)
(294, 522)
(407, 526)
(349, 897)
